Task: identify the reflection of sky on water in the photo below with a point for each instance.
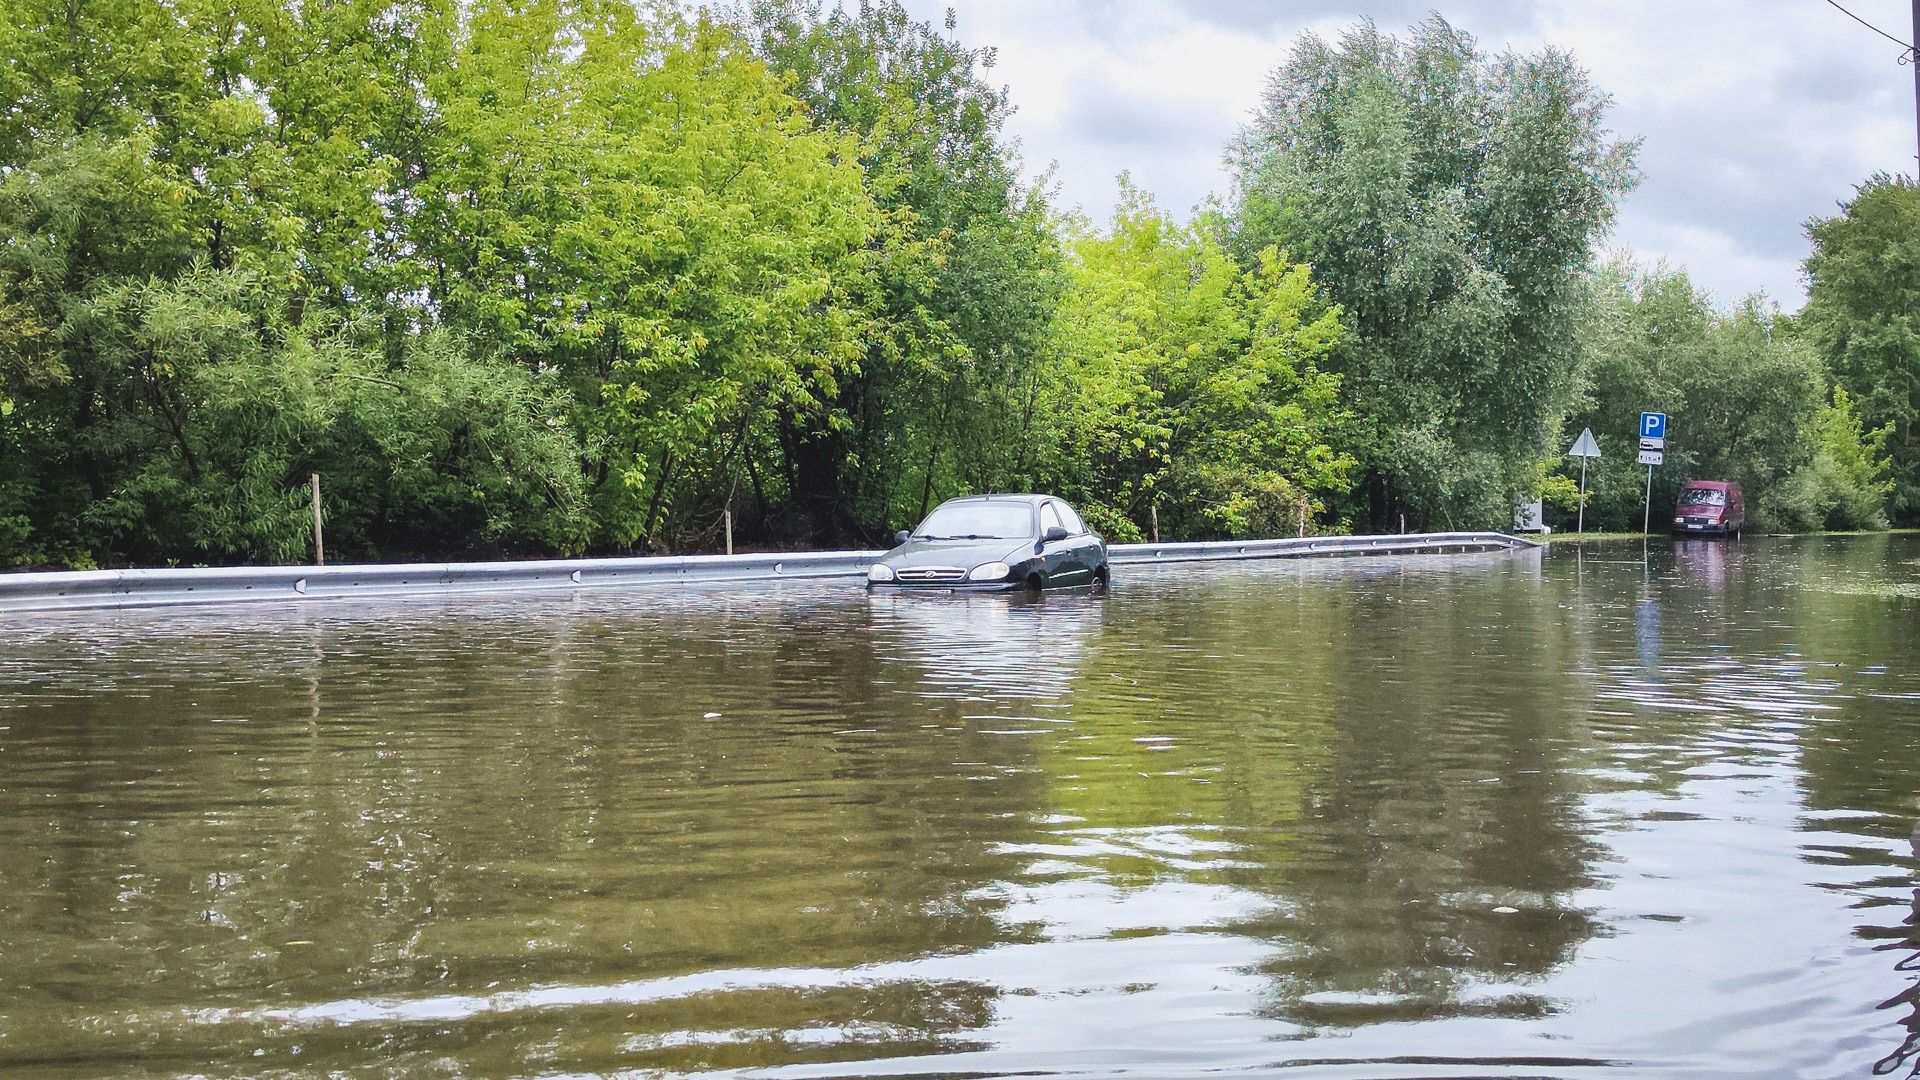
(985, 646)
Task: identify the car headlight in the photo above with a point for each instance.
(1679, 521)
(880, 572)
(993, 571)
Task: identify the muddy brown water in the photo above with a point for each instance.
(1597, 812)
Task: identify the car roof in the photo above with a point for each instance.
(1711, 485)
(1000, 498)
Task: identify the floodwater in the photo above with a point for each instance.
(1563, 814)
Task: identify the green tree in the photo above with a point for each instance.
(942, 398)
(1741, 391)
(637, 205)
(1863, 313)
(1448, 202)
(1846, 484)
(1183, 382)
(206, 297)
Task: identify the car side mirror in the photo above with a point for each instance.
(901, 537)
(1055, 533)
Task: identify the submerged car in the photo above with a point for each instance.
(1709, 507)
(995, 542)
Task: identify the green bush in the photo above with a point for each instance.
(1847, 483)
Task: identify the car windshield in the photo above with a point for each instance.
(1703, 497)
(978, 521)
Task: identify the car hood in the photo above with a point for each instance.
(965, 554)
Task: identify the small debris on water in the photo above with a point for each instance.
(710, 716)
(1505, 910)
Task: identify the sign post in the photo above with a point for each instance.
(1653, 451)
(1584, 447)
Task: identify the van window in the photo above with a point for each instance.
(1703, 497)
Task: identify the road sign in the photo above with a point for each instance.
(1653, 451)
(1584, 447)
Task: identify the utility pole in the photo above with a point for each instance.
(1913, 58)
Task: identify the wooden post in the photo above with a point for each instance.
(1153, 514)
(319, 544)
(727, 516)
(1303, 517)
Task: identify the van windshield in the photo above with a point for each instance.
(978, 521)
(1703, 497)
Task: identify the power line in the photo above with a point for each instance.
(1908, 55)
(1905, 45)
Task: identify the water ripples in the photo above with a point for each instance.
(1408, 817)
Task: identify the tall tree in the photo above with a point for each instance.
(1863, 311)
(941, 399)
(634, 205)
(1187, 390)
(1448, 201)
(203, 266)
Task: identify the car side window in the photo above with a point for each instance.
(1050, 519)
(1070, 519)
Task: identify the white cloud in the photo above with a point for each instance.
(1755, 115)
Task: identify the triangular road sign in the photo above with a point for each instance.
(1584, 446)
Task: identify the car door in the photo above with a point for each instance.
(1088, 550)
(1060, 565)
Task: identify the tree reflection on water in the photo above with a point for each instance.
(1909, 998)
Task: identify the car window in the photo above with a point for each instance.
(1070, 519)
(978, 521)
(1050, 518)
(1703, 497)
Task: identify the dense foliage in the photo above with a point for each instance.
(1738, 388)
(1188, 390)
(1449, 202)
(1863, 310)
(557, 276)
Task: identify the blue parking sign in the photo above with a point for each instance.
(1653, 425)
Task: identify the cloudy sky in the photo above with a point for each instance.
(1755, 114)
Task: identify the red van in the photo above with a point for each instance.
(1709, 507)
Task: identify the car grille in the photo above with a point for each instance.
(919, 575)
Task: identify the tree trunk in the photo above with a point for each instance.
(659, 490)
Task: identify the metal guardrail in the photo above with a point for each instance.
(214, 585)
(1318, 546)
(106, 589)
